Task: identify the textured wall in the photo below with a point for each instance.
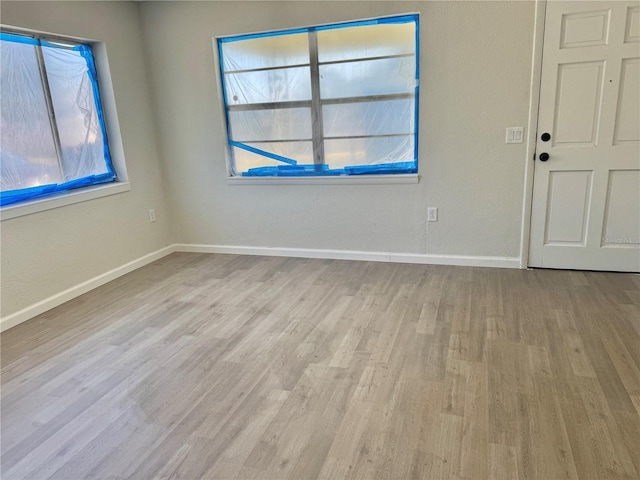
(476, 67)
(48, 252)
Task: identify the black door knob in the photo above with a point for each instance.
(544, 157)
(545, 137)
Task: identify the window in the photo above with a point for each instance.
(328, 100)
(53, 135)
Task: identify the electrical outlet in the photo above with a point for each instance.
(432, 214)
(152, 215)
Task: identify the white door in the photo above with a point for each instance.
(586, 195)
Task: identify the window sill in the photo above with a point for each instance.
(337, 180)
(62, 199)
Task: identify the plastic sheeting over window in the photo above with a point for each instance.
(330, 100)
(53, 136)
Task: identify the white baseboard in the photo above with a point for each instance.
(460, 260)
(456, 260)
(73, 292)
(77, 290)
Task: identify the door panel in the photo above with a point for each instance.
(628, 121)
(586, 199)
(622, 212)
(578, 103)
(632, 33)
(585, 29)
(568, 207)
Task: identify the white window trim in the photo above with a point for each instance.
(396, 179)
(62, 199)
(112, 125)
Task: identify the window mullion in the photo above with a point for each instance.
(316, 104)
(269, 105)
(50, 111)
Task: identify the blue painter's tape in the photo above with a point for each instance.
(363, 23)
(308, 170)
(273, 156)
(336, 26)
(399, 19)
(252, 36)
(26, 39)
(87, 54)
(331, 26)
(416, 105)
(10, 37)
(313, 170)
(14, 196)
(383, 168)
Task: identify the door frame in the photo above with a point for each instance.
(532, 129)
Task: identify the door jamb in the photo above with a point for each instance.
(532, 129)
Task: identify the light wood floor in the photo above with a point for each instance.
(223, 366)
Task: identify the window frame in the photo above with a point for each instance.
(316, 104)
(109, 125)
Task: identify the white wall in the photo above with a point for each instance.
(476, 68)
(46, 253)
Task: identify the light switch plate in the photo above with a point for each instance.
(515, 135)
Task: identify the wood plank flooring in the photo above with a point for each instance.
(224, 366)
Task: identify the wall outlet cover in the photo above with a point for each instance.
(514, 135)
